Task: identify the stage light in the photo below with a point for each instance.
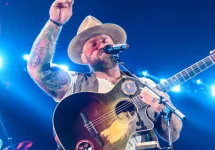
(145, 73)
(213, 91)
(162, 80)
(64, 67)
(0, 62)
(176, 89)
(198, 81)
(26, 57)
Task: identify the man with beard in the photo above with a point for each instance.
(86, 48)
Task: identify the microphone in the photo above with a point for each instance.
(115, 49)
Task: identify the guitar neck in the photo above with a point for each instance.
(186, 74)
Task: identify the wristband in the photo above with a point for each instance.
(56, 23)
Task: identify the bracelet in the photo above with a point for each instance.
(56, 23)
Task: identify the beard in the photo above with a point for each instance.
(102, 63)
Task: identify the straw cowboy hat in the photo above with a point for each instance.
(89, 28)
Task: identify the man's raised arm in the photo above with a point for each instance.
(50, 78)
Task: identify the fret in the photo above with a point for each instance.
(212, 56)
(211, 59)
(139, 99)
(175, 80)
(202, 65)
(196, 69)
(167, 86)
(180, 78)
(185, 75)
(158, 87)
(204, 62)
(208, 62)
(163, 88)
(171, 83)
(137, 102)
(190, 72)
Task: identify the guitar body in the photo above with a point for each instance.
(111, 121)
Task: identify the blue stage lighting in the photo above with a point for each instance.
(145, 73)
(213, 90)
(176, 89)
(198, 81)
(64, 67)
(26, 57)
(0, 62)
(162, 80)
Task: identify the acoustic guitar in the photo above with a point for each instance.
(116, 120)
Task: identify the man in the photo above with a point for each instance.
(85, 49)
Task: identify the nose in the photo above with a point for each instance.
(102, 44)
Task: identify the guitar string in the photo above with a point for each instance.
(110, 113)
(138, 96)
(107, 117)
(104, 119)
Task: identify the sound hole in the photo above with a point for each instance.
(125, 110)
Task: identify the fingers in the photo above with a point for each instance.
(151, 101)
(70, 1)
(147, 98)
(154, 104)
(61, 3)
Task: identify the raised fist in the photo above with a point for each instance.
(61, 10)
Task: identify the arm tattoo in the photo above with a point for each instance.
(43, 48)
(35, 59)
(54, 78)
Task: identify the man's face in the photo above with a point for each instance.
(94, 55)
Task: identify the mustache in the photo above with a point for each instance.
(100, 51)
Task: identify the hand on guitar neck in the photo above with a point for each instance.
(151, 100)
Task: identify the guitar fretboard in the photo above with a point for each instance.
(180, 77)
(138, 102)
(186, 74)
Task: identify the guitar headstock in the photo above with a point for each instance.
(212, 55)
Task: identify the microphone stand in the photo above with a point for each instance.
(6, 134)
(162, 100)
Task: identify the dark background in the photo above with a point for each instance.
(164, 37)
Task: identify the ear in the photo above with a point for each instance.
(83, 58)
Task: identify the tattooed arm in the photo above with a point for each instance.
(50, 78)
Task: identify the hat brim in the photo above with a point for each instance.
(116, 32)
